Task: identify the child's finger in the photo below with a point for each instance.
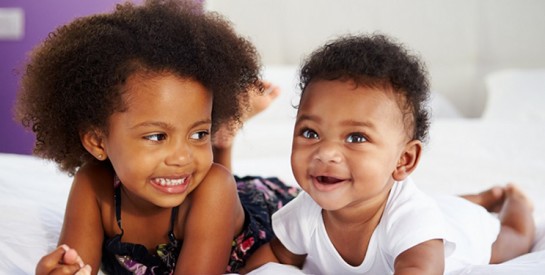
(85, 270)
(66, 270)
(71, 257)
(51, 261)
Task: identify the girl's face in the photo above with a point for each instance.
(160, 145)
(347, 143)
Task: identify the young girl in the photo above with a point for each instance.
(358, 135)
(127, 101)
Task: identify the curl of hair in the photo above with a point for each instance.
(74, 79)
(375, 61)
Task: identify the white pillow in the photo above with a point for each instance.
(516, 95)
(442, 108)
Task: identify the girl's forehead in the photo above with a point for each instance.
(163, 89)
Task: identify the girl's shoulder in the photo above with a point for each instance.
(217, 193)
(218, 179)
(95, 180)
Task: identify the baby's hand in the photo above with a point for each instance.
(63, 260)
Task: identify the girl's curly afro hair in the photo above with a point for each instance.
(74, 79)
(375, 60)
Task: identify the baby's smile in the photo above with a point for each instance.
(328, 180)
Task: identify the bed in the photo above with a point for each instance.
(464, 155)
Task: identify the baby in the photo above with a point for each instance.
(359, 134)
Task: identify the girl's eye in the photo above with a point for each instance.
(156, 137)
(309, 134)
(356, 138)
(200, 135)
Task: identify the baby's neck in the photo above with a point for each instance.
(350, 231)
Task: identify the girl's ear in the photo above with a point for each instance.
(408, 160)
(93, 142)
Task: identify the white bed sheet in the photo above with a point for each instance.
(463, 156)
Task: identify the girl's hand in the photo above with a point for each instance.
(63, 260)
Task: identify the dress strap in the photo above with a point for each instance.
(173, 216)
(117, 199)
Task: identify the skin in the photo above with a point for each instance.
(347, 159)
(224, 137)
(148, 143)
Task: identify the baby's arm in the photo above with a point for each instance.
(275, 252)
(425, 258)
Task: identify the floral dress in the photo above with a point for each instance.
(260, 198)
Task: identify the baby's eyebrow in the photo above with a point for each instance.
(358, 123)
(304, 117)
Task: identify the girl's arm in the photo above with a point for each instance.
(215, 217)
(63, 260)
(82, 229)
(425, 258)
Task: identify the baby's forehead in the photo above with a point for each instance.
(361, 85)
(384, 94)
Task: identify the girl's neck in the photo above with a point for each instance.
(132, 203)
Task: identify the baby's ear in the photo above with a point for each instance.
(408, 160)
(93, 142)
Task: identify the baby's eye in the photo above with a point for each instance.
(200, 135)
(309, 134)
(156, 137)
(356, 138)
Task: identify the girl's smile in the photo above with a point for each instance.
(172, 185)
(159, 143)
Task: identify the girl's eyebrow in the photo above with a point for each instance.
(165, 125)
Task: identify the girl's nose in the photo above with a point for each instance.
(179, 154)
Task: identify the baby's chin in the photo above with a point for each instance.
(329, 201)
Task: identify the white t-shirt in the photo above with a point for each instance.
(410, 217)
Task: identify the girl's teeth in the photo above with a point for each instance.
(169, 182)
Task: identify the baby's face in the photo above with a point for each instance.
(347, 142)
(160, 145)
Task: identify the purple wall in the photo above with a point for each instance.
(41, 17)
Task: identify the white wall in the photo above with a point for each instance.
(460, 40)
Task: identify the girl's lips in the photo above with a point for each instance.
(174, 185)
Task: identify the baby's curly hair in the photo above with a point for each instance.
(74, 80)
(375, 61)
